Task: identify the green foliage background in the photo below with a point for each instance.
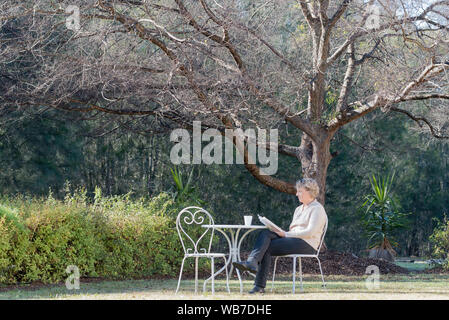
(39, 154)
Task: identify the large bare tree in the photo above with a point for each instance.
(153, 66)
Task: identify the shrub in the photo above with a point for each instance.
(110, 237)
(440, 241)
(13, 244)
(11, 217)
(61, 235)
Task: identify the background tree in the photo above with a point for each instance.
(154, 66)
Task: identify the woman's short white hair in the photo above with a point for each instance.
(310, 185)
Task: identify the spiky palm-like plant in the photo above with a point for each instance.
(185, 190)
(382, 218)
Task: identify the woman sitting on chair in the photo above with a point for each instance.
(303, 236)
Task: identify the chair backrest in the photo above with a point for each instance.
(322, 236)
(187, 223)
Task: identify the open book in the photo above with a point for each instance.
(270, 225)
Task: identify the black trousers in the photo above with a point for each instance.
(269, 244)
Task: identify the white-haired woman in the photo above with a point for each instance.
(303, 236)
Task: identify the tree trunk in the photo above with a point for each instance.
(379, 253)
(315, 160)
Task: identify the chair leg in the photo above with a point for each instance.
(227, 275)
(300, 273)
(321, 271)
(180, 274)
(294, 275)
(213, 276)
(274, 273)
(196, 275)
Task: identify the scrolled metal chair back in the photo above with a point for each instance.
(191, 217)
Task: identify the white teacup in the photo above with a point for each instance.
(248, 220)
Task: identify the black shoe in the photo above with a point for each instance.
(245, 266)
(257, 289)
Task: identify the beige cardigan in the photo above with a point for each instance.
(308, 223)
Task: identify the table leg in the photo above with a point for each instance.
(239, 245)
(227, 262)
(233, 254)
(236, 257)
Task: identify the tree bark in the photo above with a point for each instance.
(315, 159)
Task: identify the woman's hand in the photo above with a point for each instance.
(280, 233)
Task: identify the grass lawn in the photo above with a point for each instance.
(413, 286)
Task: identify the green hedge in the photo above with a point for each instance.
(440, 242)
(113, 237)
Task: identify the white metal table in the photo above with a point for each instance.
(234, 245)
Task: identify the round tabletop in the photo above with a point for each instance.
(233, 226)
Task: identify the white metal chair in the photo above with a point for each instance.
(196, 216)
(295, 256)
